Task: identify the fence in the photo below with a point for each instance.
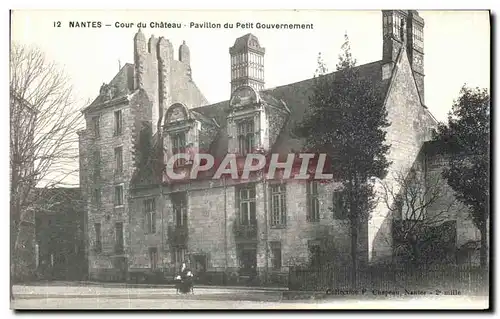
(466, 279)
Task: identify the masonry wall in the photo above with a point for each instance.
(150, 86)
(212, 212)
(165, 79)
(102, 265)
(411, 126)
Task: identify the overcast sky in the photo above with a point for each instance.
(457, 46)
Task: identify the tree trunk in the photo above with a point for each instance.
(13, 263)
(483, 250)
(353, 218)
(354, 252)
(14, 271)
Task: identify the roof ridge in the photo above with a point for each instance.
(330, 73)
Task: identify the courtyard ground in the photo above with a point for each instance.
(125, 297)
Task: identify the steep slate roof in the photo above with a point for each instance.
(245, 42)
(201, 117)
(295, 97)
(123, 82)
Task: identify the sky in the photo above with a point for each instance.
(457, 46)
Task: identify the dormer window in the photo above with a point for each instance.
(248, 122)
(246, 136)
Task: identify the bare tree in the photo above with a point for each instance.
(420, 207)
(43, 144)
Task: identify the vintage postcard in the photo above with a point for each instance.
(293, 159)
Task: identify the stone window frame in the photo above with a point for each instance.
(387, 24)
(176, 145)
(278, 205)
(313, 207)
(249, 202)
(118, 122)
(121, 202)
(245, 134)
(180, 202)
(396, 30)
(118, 166)
(150, 215)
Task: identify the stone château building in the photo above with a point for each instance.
(138, 221)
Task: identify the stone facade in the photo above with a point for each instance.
(243, 229)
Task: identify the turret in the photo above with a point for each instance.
(184, 55)
(247, 63)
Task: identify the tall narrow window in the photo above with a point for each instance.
(118, 160)
(98, 242)
(119, 195)
(97, 166)
(312, 201)
(246, 133)
(153, 257)
(247, 205)
(395, 28)
(96, 126)
(278, 205)
(118, 122)
(276, 255)
(178, 146)
(119, 237)
(180, 209)
(150, 211)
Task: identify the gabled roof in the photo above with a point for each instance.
(295, 97)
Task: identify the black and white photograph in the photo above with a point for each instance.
(250, 159)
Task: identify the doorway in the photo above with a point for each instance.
(199, 264)
(248, 260)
